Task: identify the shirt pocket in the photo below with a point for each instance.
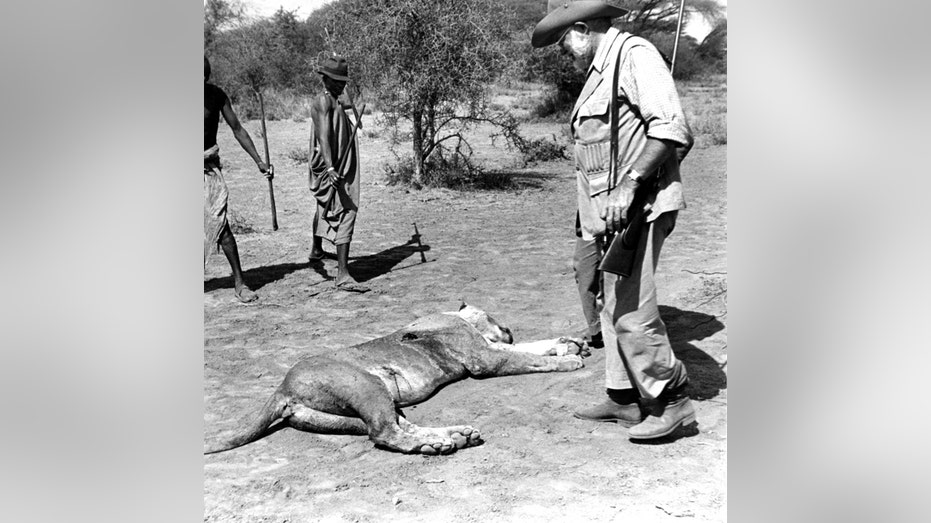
(591, 123)
(594, 108)
(593, 147)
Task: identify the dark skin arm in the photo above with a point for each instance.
(322, 116)
(242, 136)
(654, 154)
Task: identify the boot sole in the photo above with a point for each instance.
(684, 421)
(624, 422)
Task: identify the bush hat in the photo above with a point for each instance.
(335, 67)
(562, 14)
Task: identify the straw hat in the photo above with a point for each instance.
(561, 14)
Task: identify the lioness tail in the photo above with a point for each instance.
(271, 412)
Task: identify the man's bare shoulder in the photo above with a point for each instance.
(213, 90)
(322, 103)
(214, 97)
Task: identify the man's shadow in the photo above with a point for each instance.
(256, 278)
(363, 268)
(706, 377)
(369, 267)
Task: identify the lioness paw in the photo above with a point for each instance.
(450, 440)
(432, 449)
(569, 363)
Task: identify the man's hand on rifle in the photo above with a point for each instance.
(618, 206)
(267, 170)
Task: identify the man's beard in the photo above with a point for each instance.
(582, 63)
(582, 55)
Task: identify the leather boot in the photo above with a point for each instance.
(596, 341)
(671, 410)
(621, 407)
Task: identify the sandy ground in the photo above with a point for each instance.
(507, 252)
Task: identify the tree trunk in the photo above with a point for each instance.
(417, 135)
(430, 125)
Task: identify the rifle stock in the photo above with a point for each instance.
(621, 253)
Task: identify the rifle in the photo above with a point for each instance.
(271, 188)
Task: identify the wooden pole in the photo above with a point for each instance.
(268, 163)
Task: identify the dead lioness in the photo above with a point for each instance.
(360, 389)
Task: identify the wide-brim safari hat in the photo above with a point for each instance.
(561, 14)
(335, 67)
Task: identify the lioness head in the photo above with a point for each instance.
(491, 330)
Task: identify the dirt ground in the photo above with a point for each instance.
(506, 252)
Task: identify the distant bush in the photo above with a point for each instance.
(299, 155)
(542, 150)
(452, 172)
(532, 150)
(238, 224)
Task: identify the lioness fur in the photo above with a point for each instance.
(360, 389)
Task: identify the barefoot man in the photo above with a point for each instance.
(216, 227)
(334, 172)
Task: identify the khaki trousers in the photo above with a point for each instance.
(637, 349)
(585, 262)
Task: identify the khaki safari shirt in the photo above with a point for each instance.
(648, 107)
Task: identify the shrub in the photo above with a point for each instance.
(532, 150)
(542, 150)
(454, 171)
(299, 155)
(238, 224)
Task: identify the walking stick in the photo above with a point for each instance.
(352, 138)
(352, 103)
(271, 188)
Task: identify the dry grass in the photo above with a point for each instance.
(279, 105)
(705, 104)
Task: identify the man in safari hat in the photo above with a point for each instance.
(646, 384)
(334, 171)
